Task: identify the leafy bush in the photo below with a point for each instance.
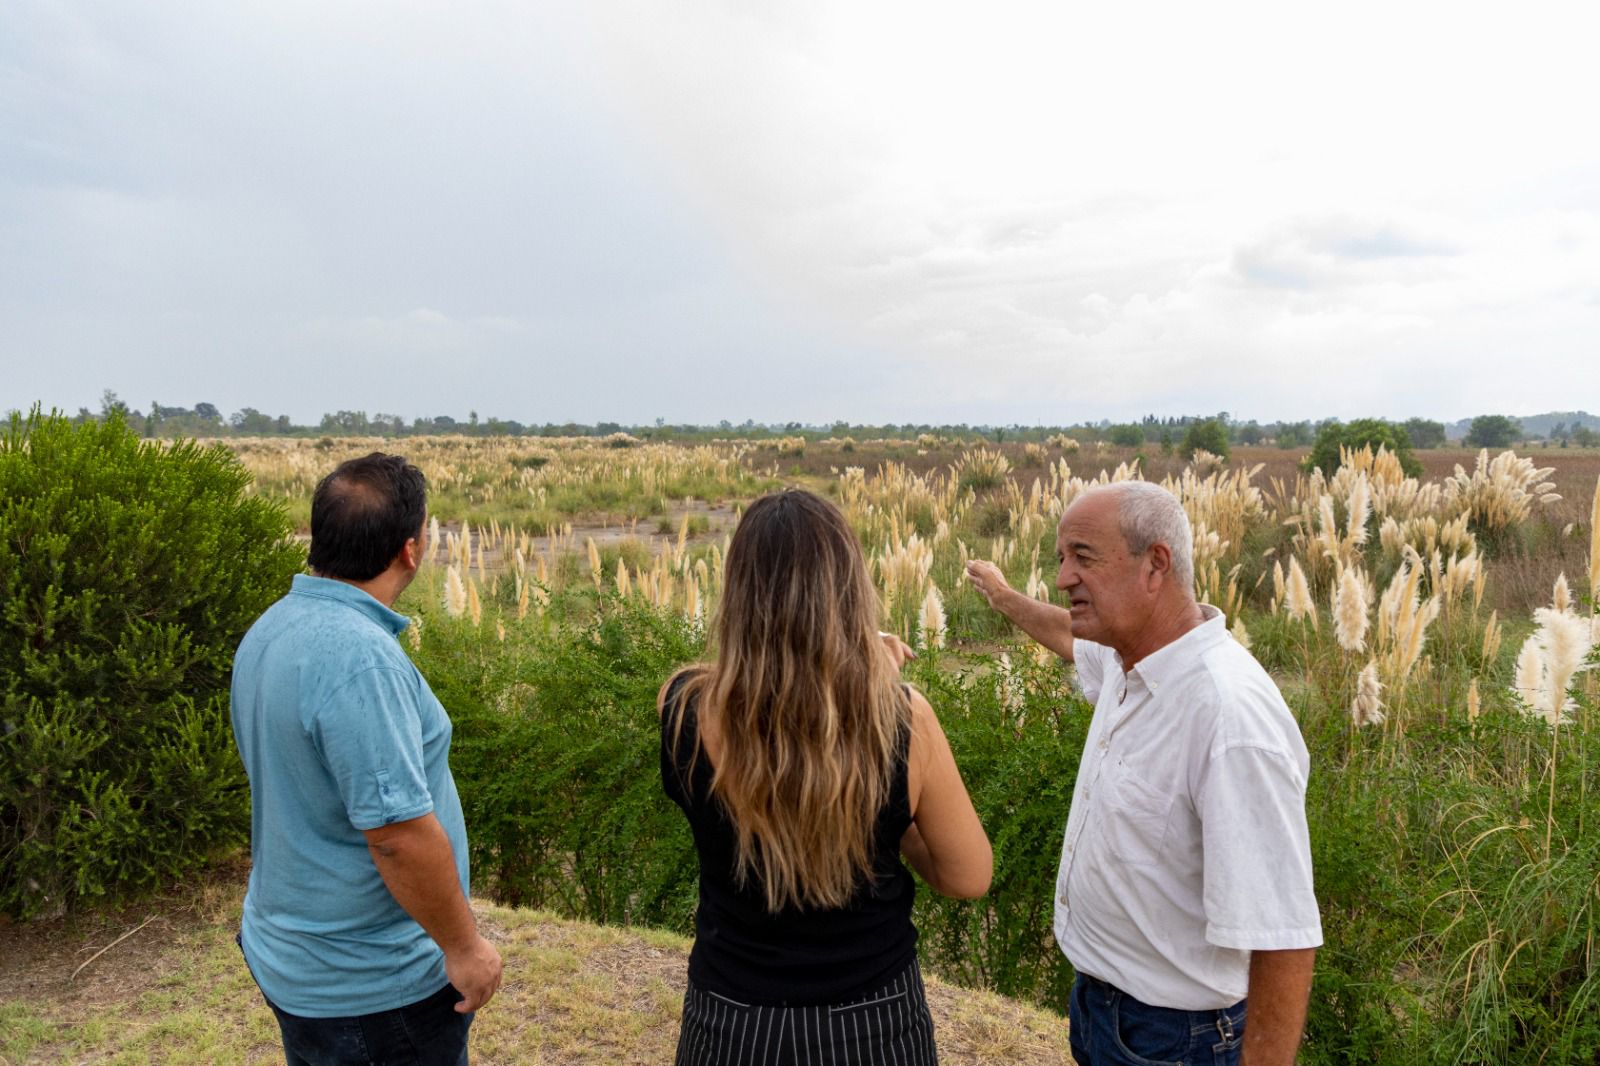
(128, 574)
(556, 757)
(1363, 432)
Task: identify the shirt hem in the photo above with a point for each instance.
(403, 815)
(1308, 936)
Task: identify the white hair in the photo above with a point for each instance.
(1149, 514)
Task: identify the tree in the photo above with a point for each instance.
(1210, 434)
(1584, 437)
(1493, 431)
(1362, 432)
(1424, 432)
(1248, 433)
(250, 422)
(1126, 436)
(128, 573)
(1293, 434)
(349, 423)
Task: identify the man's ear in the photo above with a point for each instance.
(1160, 557)
(411, 554)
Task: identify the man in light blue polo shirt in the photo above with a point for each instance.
(356, 924)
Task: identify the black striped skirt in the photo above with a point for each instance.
(890, 1025)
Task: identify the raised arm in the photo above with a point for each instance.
(946, 843)
(1044, 622)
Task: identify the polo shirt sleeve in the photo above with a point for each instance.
(369, 734)
(1258, 888)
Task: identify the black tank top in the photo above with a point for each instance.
(795, 957)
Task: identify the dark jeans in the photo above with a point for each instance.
(428, 1032)
(1108, 1027)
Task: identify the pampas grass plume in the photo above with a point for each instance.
(1300, 603)
(1350, 611)
(1594, 547)
(1529, 679)
(931, 619)
(1561, 594)
(1367, 707)
(455, 594)
(1565, 640)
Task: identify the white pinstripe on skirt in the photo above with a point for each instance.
(891, 1025)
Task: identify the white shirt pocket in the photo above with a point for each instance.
(1133, 817)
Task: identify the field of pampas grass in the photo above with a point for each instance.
(1434, 636)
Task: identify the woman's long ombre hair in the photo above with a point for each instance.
(807, 706)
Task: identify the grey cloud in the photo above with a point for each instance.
(1340, 251)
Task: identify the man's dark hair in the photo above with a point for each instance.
(363, 513)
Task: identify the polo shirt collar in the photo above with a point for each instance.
(1171, 661)
(329, 589)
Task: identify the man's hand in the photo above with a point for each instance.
(899, 651)
(475, 972)
(989, 581)
(1045, 622)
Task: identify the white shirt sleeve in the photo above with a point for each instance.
(1258, 888)
(1089, 660)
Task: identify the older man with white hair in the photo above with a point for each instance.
(1185, 890)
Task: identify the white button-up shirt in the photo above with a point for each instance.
(1186, 845)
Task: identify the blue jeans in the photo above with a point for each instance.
(1108, 1027)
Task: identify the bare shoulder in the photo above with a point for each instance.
(925, 728)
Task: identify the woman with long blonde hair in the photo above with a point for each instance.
(807, 770)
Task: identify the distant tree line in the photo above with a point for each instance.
(1216, 433)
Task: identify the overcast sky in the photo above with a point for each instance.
(1007, 212)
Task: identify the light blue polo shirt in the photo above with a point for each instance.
(339, 733)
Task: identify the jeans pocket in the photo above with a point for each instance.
(1149, 1036)
(429, 1031)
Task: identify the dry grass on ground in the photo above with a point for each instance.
(176, 991)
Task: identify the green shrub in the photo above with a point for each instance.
(1363, 432)
(556, 757)
(128, 574)
(1019, 763)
